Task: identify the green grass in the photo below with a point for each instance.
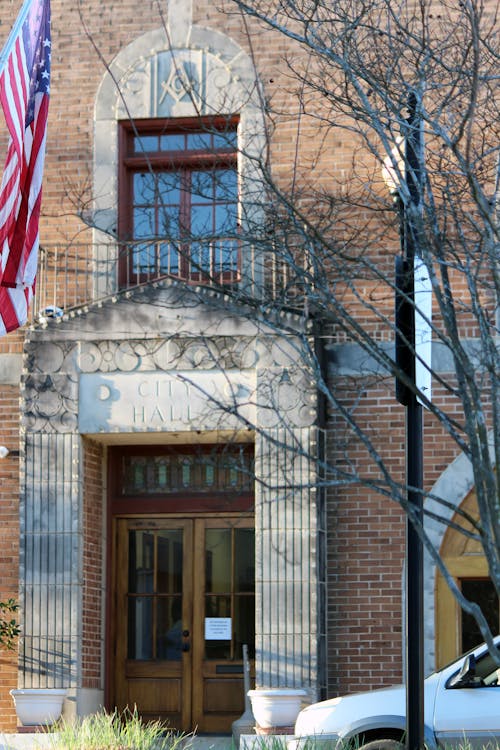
(114, 731)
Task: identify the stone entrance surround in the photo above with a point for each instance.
(166, 365)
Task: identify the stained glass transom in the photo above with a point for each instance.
(187, 472)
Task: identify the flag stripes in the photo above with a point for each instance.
(24, 96)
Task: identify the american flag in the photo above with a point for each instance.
(24, 96)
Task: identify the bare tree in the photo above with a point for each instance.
(375, 74)
(325, 236)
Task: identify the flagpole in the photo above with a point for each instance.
(4, 54)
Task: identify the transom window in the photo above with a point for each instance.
(177, 470)
(179, 200)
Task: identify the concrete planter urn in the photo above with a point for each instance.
(37, 706)
(276, 707)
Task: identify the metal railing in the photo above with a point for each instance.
(75, 275)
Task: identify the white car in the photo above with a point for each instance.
(461, 708)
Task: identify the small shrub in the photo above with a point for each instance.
(9, 628)
(113, 731)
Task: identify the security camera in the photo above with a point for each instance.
(52, 311)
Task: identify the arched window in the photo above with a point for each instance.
(456, 631)
(179, 146)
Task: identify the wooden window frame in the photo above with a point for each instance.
(131, 162)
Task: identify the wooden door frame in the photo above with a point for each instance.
(191, 695)
(202, 666)
(185, 505)
(464, 558)
(448, 611)
(120, 588)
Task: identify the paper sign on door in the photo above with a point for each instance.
(217, 628)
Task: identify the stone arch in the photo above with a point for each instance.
(456, 487)
(207, 73)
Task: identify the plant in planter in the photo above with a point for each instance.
(114, 731)
(9, 627)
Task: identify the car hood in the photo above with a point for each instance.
(343, 716)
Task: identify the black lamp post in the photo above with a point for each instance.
(406, 362)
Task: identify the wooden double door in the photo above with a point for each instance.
(183, 607)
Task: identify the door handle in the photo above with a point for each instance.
(185, 633)
(186, 647)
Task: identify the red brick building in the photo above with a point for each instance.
(132, 498)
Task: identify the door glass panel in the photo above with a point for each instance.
(141, 556)
(244, 626)
(218, 560)
(230, 590)
(155, 594)
(244, 563)
(140, 618)
(169, 566)
(218, 607)
(169, 628)
(481, 591)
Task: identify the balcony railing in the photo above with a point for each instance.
(75, 275)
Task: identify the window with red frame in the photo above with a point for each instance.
(178, 204)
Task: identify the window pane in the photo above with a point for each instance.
(140, 619)
(169, 187)
(202, 187)
(169, 634)
(169, 565)
(172, 142)
(145, 143)
(244, 626)
(226, 184)
(141, 562)
(144, 188)
(168, 221)
(199, 141)
(226, 220)
(202, 221)
(144, 222)
(218, 606)
(481, 591)
(226, 140)
(244, 563)
(230, 470)
(218, 562)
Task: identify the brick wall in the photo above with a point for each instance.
(365, 531)
(94, 517)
